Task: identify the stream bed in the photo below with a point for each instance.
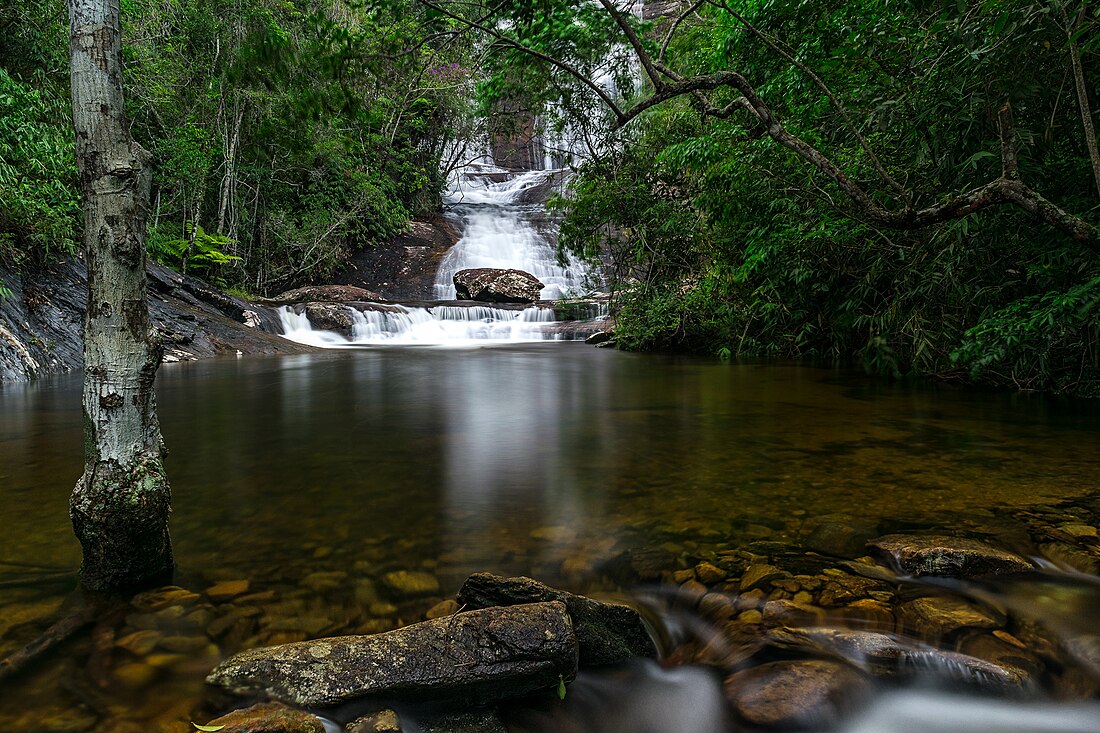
(304, 486)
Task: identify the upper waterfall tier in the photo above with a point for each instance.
(502, 230)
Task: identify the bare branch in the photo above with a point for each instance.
(635, 43)
(512, 43)
(675, 25)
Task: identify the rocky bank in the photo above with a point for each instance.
(41, 322)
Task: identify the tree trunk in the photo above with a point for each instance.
(1082, 96)
(121, 503)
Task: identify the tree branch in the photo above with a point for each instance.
(511, 42)
(820, 84)
(635, 43)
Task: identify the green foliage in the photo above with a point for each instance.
(38, 199)
(197, 252)
(728, 244)
(1048, 341)
(291, 134)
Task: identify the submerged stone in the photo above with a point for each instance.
(268, 717)
(476, 656)
(955, 557)
(935, 617)
(805, 694)
(411, 583)
(607, 633)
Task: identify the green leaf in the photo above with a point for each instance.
(561, 687)
(207, 728)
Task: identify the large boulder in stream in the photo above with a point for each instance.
(475, 657)
(492, 285)
(607, 633)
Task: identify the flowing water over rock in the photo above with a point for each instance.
(504, 226)
(501, 232)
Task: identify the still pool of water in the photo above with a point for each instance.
(311, 477)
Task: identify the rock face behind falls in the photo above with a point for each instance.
(491, 285)
(477, 657)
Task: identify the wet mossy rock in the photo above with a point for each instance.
(492, 285)
(953, 557)
(476, 657)
(607, 633)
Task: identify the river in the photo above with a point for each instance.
(312, 476)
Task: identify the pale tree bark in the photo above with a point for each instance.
(1082, 92)
(121, 503)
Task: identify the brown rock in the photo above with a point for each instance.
(443, 608)
(269, 717)
(227, 589)
(757, 575)
(155, 600)
(935, 617)
(709, 574)
(411, 583)
(333, 293)
(789, 613)
(796, 694)
(382, 721)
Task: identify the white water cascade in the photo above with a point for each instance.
(501, 232)
(447, 325)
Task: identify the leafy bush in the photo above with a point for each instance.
(39, 202)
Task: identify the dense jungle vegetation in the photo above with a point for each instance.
(287, 133)
(283, 134)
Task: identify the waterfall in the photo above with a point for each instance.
(500, 232)
(455, 325)
(504, 226)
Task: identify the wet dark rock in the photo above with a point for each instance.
(334, 317)
(599, 337)
(330, 293)
(476, 656)
(607, 633)
(540, 192)
(268, 717)
(403, 268)
(883, 655)
(803, 694)
(41, 331)
(470, 721)
(642, 565)
(493, 285)
(955, 557)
